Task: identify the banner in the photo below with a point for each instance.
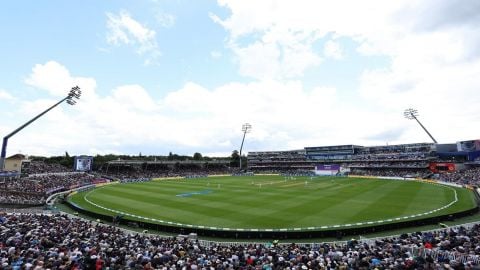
(468, 146)
(9, 174)
(327, 169)
(99, 181)
(437, 167)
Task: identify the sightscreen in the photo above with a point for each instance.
(327, 169)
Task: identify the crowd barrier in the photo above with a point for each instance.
(37, 211)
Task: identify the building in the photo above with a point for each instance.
(14, 163)
(278, 161)
(335, 152)
(394, 159)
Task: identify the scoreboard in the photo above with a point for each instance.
(83, 163)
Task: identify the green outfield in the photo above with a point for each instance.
(274, 202)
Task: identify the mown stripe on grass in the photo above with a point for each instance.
(352, 197)
(386, 204)
(239, 204)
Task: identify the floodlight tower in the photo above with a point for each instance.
(246, 128)
(413, 114)
(74, 93)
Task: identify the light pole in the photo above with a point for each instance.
(413, 114)
(246, 128)
(74, 93)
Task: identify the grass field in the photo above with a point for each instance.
(271, 202)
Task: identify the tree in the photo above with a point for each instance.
(197, 156)
(235, 159)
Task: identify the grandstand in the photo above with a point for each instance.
(275, 161)
(107, 246)
(402, 159)
(163, 168)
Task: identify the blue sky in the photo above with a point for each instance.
(183, 76)
(74, 35)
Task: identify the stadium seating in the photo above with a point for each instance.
(30, 241)
(53, 241)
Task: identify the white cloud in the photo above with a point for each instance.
(284, 32)
(164, 19)
(133, 97)
(124, 30)
(99, 123)
(57, 81)
(42, 78)
(332, 49)
(430, 46)
(432, 65)
(5, 95)
(277, 55)
(283, 114)
(379, 27)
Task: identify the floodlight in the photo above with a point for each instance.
(74, 93)
(412, 114)
(246, 128)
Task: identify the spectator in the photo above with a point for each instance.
(470, 176)
(33, 190)
(30, 241)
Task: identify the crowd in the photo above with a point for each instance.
(392, 156)
(48, 183)
(400, 164)
(37, 242)
(19, 198)
(411, 170)
(470, 176)
(188, 171)
(420, 173)
(35, 189)
(40, 167)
